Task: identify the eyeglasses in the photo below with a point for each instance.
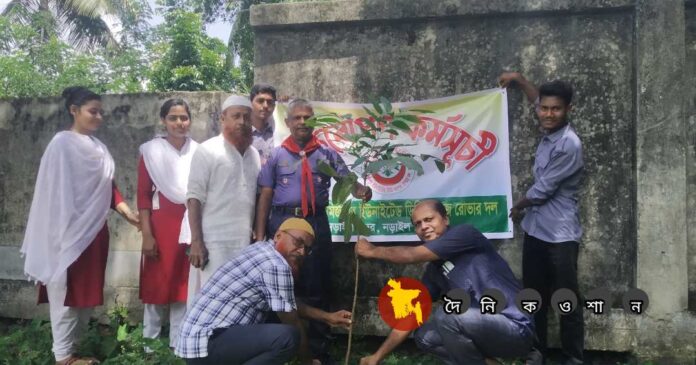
(299, 243)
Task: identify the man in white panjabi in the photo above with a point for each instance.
(221, 195)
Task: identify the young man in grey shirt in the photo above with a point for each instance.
(263, 102)
(551, 216)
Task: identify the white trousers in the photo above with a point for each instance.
(218, 254)
(67, 323)
(152, 320)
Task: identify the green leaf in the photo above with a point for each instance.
(359, 161)
(378, 108)
(353, 138)
(360, 227)
(400, 124)
(370, 124)
(392, 131)
(408, 118)
(396, 145)
(440, 165)
(342, 189)
(330, 118)
(344, 211)
(424, 111)
(371, 113)
(425, 157)
(348, 227)
(387, 105)
(108, 345)
(377, 166)
(366, 133)
(411, 164)
(322, 120)
(326, 169)
(122, 333)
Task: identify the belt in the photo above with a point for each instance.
(296, 211)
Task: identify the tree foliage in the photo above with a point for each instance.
(31, 66)
(192, 61)
(79, 22)
(240, 46)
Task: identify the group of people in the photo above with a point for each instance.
(236, 239)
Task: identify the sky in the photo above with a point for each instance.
(219, 30)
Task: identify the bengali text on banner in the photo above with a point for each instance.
(469, 132)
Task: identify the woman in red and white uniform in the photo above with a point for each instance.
(163, 172)
(66, 243)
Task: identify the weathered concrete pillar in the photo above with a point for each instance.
(661, 156)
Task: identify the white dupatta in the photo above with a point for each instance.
(169, 170)
(70, 205)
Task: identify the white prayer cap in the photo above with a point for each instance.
(236, 100)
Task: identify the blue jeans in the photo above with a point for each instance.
(471, 337)
(256, 344)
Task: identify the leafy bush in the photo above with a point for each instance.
(119, 342)
(27, 344)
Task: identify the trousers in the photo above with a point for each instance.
(257, 344)
(67, 323)
(547, 267)
(471, 337)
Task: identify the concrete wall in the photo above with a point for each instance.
(690, 101)
(631, 63)
(26, 127)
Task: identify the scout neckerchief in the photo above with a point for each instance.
(313, 144)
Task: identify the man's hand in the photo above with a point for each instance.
(369, 360)
(364, 248)
(199, 254)
(516, 214)
(340, 318)
(149, 246)
(507, 78)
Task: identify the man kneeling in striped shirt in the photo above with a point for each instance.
(226, 321)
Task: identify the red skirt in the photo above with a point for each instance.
(164, 279)
(85, 281)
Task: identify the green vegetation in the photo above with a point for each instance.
(192, 61)
(47, 47)
(119, 342)
(29, 342)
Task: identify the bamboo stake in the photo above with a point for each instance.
(355, 291)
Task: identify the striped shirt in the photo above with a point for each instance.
(240, 292)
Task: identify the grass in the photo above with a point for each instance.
(25, 342)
